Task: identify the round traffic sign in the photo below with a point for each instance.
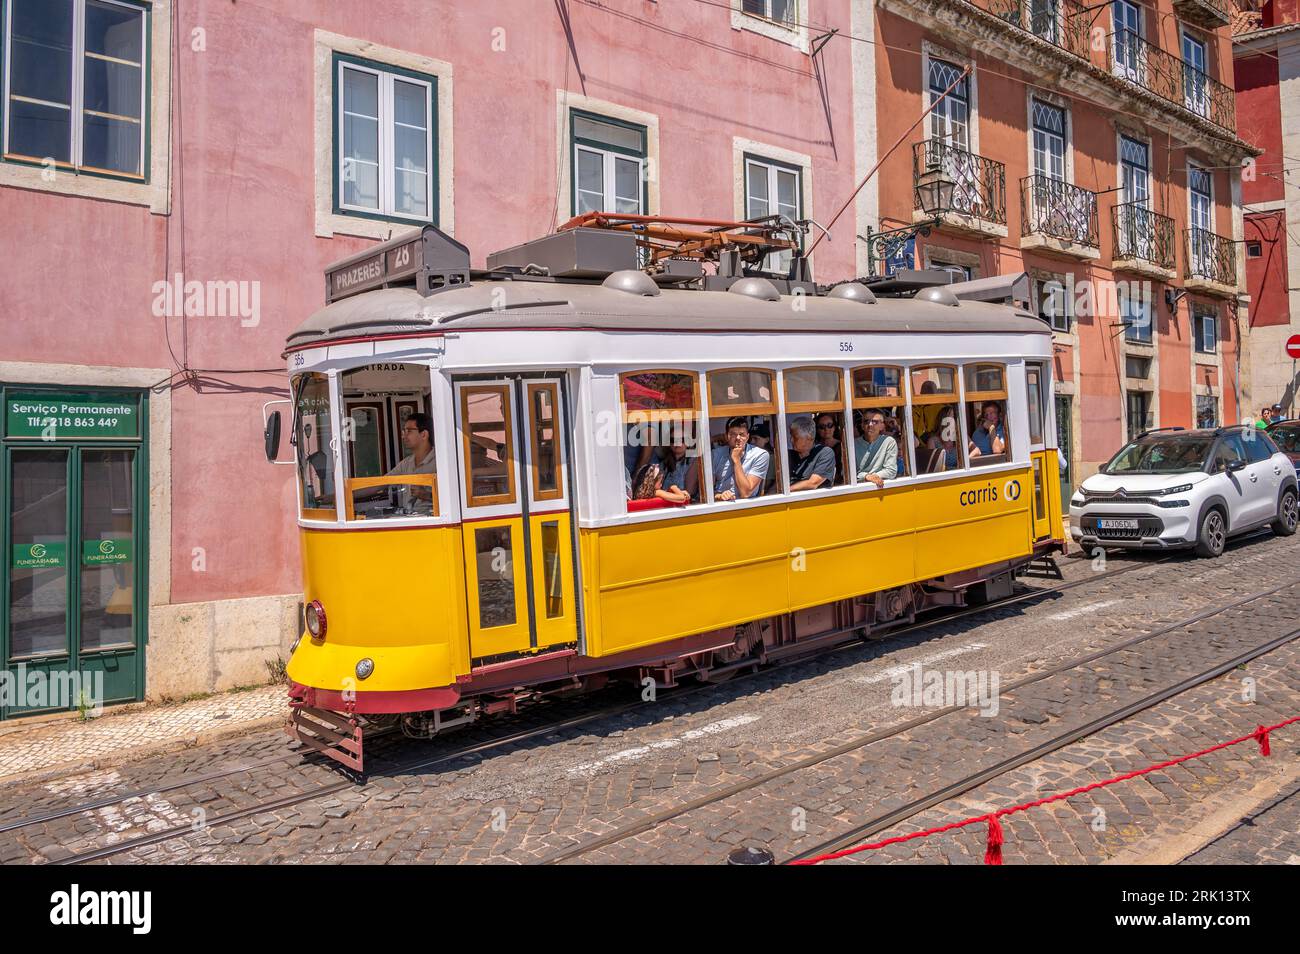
(1293, 346)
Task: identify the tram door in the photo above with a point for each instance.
(1037, 381)
(517, 531)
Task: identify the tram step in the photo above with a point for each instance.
(331, 733)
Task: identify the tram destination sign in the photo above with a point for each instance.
(385, 266)
(53, 417)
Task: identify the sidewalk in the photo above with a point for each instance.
(45, 749)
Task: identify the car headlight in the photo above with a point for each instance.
(365, 667)
(314, 617)
(1078, 500)
(1180, 489)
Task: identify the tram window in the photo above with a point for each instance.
(877, 382)
(314, 432)
(936, 420)
(742, 415)
(818, 393)
(553, 577)
(547, 481)
(496, 576)
(485, 423)
(661, 450)
(1034, 383)
(877, 394)
(388, 439)
(872, 455)
(751, 434)
(932, 381)
(810, 390)
(986, 409)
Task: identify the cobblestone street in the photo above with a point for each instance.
(789, 757)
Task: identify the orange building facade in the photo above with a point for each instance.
(1094, 147)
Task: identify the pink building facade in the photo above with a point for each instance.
(176, 176)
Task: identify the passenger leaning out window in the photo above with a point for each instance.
(812, 465)
(739, 467)
(878, 461)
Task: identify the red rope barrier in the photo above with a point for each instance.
(993, 853)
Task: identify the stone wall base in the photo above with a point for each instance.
(213, 646)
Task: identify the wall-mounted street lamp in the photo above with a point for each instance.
(934, 190)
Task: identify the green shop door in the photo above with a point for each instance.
(72, 612)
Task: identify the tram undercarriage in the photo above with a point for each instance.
(708, 657)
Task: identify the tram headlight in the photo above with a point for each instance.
(314, 617)
(365, 667)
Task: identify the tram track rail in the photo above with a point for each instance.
(880, 823)
(653, 821)
(851, 641)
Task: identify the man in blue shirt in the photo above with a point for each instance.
(739, 467)
(989, 437)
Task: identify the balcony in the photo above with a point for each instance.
(1157, 71)
(1211, 263)
(1144, 241)
(979, 194)
(1058, 218)
(1208, 14)
(1059, 23)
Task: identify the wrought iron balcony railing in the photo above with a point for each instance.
(979, 184)
(1059, 22)
(1058, 210)
(1169, 77)
(1143, 235)
(1210, 257)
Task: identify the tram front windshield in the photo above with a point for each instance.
(388, 442)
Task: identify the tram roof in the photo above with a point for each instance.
(569, 306)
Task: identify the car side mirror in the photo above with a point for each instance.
(272, 436)
(1235, 465)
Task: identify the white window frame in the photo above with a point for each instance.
(1133, 66)
(609, 159)
(387, 134)
(76, 109)
(1195, 98)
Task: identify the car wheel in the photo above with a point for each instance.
(1288, 514)
(1212, 536)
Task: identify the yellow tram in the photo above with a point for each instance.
(522, 480)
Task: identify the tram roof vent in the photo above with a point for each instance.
(939, 295)
(759, 288)
(631, 281)
(853, 291)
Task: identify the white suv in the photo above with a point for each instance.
(1176, 488)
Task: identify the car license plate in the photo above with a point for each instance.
(1116, 524)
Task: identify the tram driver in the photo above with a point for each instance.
(417, 438)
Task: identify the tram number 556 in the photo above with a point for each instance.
(846, 345)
